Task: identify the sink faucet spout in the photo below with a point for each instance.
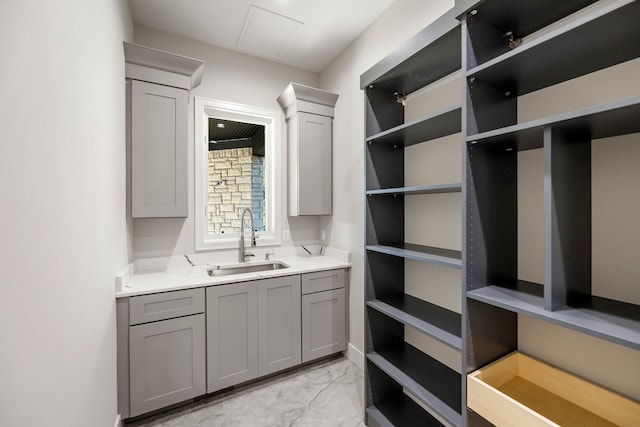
(241, 252)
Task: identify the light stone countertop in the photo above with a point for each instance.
(175, 277)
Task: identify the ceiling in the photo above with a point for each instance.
(225, 134)
(307, 34)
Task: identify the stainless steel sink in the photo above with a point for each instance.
(222, 270)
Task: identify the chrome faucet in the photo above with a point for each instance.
(241, 254)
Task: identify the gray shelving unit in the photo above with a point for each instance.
(497, 70)
(394, 368)
(502, 55)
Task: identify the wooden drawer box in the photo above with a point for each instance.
(322, 281)
(520, 391)
(165, 305)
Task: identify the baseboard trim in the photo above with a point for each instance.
(355, 356)
(118, 422)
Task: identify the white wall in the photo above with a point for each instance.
(345, 229)
(228, 76)
(63, 232)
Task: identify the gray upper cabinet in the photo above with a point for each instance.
(309, 115)
(278, 324)
(158, 151)
(313, 167)
(158, 99)
(232, 335)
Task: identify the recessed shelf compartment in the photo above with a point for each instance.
(425, 189)
(391, 406)
(433, 126)
(518, 387)
(494, 19)
(425, 58)
(447, 257)
(430, 319)
(434, 384)
(604, 37)
(610, 320)
(601, 121)
(432, 54)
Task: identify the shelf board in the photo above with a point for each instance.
(401, 411)
(433, 53)
(446, 257)
(437, 125)
(425, 189)
(610, 320)
(598, 40)
(430, 319)
(520, 17)
(601, 121)
(434, 384)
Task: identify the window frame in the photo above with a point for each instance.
(271, 120)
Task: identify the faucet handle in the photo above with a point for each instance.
(249, 255)
(268, 254)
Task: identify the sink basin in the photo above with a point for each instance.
(221, 270)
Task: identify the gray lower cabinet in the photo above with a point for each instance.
(232, 334)
(167, 362)
(323, 324)
(324, 329)
(174, 346)
(278, 324)
(253, 329)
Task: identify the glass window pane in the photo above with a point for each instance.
(236, 178)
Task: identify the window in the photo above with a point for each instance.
(237, 167)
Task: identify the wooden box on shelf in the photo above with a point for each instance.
(518, 390)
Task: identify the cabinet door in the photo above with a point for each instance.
(278, 324)
(167, 363)
(323, 324)
(314, 165)
(158, 150)
(232, 335)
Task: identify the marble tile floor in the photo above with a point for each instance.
(325, 394)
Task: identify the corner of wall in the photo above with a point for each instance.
(355, 356)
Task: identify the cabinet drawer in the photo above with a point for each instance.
(518, 387)
(322, 281)
(167, 305)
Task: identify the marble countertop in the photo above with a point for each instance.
(173, 277)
